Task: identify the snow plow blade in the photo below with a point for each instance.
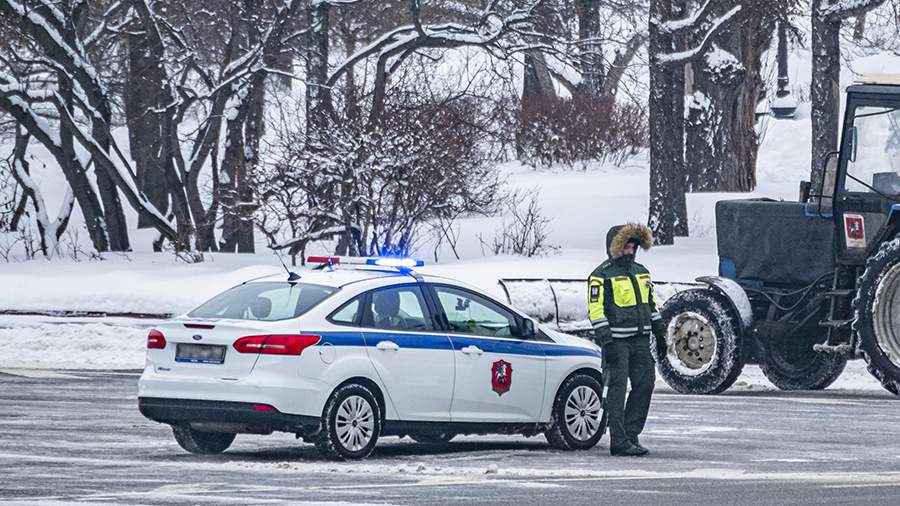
(562, 304)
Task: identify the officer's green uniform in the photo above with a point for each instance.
(623, 314)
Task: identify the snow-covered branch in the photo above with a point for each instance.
(693, 53)
(689, 21)
(844, 9)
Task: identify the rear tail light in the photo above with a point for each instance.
(156, 340)
(281, 344)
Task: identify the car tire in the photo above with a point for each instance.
(875, 323)
(690, 317)
(433, 438)
(578, 419)
(351, 423)
(201, 442)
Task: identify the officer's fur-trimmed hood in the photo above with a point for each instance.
(618, 237)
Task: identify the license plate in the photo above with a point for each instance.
(199, 353)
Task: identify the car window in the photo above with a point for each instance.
(469, 313)
(346, 314)
(398, 308)
(264, 301)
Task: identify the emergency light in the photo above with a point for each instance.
(406, 263)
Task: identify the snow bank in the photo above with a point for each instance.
(33, 343)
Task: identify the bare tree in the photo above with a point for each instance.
(668, 53)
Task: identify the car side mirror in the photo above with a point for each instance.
(528, 330)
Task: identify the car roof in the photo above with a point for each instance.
(343, 276)
(337, 277)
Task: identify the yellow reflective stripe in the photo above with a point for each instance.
(644, 284)
(623, 292)
(595, 299)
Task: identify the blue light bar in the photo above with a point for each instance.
(395, 262)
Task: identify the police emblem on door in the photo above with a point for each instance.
(501, 376)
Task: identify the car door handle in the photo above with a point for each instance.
(387, 346)
(472, 350)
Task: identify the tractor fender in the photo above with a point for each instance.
(735, 295)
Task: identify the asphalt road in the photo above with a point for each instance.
(75, 437)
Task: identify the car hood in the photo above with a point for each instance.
(569, 339)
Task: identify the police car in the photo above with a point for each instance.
(362, 348)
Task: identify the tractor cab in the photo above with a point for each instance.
(860, 189)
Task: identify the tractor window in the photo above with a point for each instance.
(875, 150)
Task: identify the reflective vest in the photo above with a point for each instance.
(620, 299)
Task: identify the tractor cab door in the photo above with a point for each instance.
(868, 177)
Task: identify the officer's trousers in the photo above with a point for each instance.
(624, 359)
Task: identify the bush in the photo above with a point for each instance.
(555, 130)
(375, 188)
(524, 228)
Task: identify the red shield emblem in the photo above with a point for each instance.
(501, 376)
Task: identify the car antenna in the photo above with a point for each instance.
(292, 276)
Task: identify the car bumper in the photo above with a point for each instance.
(287, 393)
(224, 415)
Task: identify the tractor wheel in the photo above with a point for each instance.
(877, 315)
(792, 364)
(701, 353)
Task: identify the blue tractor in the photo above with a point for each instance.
(804, 286)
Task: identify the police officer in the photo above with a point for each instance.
(623, 314)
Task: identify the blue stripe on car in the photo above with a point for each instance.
(451, 342)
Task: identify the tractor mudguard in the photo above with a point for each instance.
(735, 295)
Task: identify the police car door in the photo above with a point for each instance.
(499, 377)
(413, 359)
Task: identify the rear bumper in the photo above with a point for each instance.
(237, 416)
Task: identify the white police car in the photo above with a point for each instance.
(342, 356)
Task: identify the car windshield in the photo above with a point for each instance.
(875, 164)
(264, 301)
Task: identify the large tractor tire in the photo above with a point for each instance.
(793, 364)
(877, 315)
(701, 353)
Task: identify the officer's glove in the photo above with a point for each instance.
(659, 329)
(602, 335)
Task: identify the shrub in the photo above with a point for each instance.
(566, 131)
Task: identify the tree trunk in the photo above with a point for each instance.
(87, 198)
(234, 170)
(825, 90)
(142, 99)
(668, 209)
(782, 62)
(859, 28)
(114, 214)
(591, 61)
(317, 51)
(721, 140)
(537, 81)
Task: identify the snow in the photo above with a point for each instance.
(36, 344)
(682, 56)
